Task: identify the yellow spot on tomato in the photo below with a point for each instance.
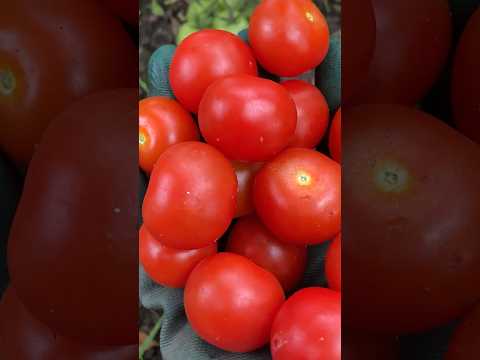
(142, 139)
(309, 16)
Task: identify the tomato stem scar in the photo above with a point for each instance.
(391, 177)
(8, 82)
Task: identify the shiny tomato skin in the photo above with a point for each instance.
(297, 196)
(22, 337)
(312, 113)
(231, 302)
(414, 180)
(250, 238)
(162, 122)
(191, 197)
(245, 176)
(167, 266)
(79, 62)
(127, 10)
(204, 57)
(466, 80)
(403, 68)
(76, 223)
(247, 118)
(333, 264)
(335, 137)
(288, 38)
(465, 341)
(308, 326)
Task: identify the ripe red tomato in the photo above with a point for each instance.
(231, 302)
(245, 176)
(167, 266)
(247, 118)
(162, 123)
(250, 238)
(465, 341)
(288, 37)
(466, 80)
(312, 113)
(191, 197)
(23, 337)
(202, 58)
(333, 264)
(76, 223)
(335, 137)
(308, 326)
(413, 40)
(297, 196)
(126, 10)
(34, 87)
(412, 223)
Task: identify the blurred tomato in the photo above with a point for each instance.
(250, 238)
(204, 57)
(191, 197)
(51, 54)
(312, 113)
(23, 337)
(76, 224)
(167, 266)
(162, 123)
(413, 40)
(245, 176)
(466, 80)
(127, 10)
(308, 326)
(465, 341)
(297, 196)
(288, 37)
(366, 346)
(231, 302)
(333, 264)
(247, 118)
(411, 220)
(335, 137)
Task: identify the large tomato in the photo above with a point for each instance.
(465, 341)
(297, 196)
(51, 54)
(413, 40)
(127, 10)
(191, 197)
(245, 176)
(308, 326)
(162, 122)
(466, 80)
(411, 220)
(335, 137)
(231, 302)
(76, 224)
(312, 113)
(287, 262)
(288, 37)
(204, 57)
(247, 118)
(333, 264)
(168, 266)
(22, 337)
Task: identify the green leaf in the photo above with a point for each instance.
(156, 8)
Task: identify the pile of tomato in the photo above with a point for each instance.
(235, 157)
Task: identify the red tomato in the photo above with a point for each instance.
(412, 45)
(288, 37)
(333, 264)
(297, 196)
(231, 302)
(247, 118)
(412, 220)
(287, 262)
(167, 266)
(466, 80)
(127, 10)
(365, 346)
(335, 137)
(245, 176)
(308, 326)
(51, 54)
(312, 113)
(204, 57)
(23, 337)
(76, 224)
(191, 197)
(465, 341)
(162, 123)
